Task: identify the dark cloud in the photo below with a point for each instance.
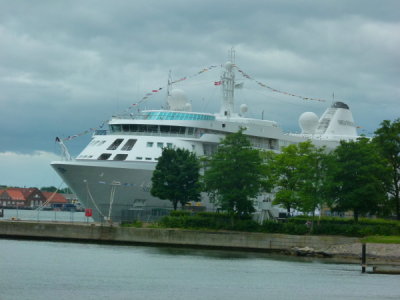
(66, 66)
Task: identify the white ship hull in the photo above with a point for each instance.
(111, 188)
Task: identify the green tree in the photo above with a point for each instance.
(358, 174)
(387, 139)
(233, 176)
(313, 167)
(285, 177)
(299, 175)
(48, 189)
(176, 177)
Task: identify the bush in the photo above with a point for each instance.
(137, 224)
(295, 225)
(246, 225)
(180, 213)
(208, 220)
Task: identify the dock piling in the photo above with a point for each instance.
(363, 258)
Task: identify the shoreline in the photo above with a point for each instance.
(332, 248)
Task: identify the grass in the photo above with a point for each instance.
(381, 239)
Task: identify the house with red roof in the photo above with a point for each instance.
(12, 197)
(31, 198)
(34, 197)
(55, 199)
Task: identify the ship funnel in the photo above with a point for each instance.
(337, 120)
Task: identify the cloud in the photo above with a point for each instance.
(67, 66)
(30, 170)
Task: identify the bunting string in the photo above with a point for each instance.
(147, 96)
(263, 85)
(151, 93)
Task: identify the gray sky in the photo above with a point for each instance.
(66, 66)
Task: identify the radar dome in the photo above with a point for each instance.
(177, 100)
(308, 122)
(229, 65)
(243, 108)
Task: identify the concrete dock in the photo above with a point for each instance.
(162, 236)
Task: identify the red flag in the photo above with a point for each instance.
(154, 91)
(217, 82)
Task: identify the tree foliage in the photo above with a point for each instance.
(299, 175)
(233, 176)
(313, 166)
(48, 189)
(387, 140)
(358, 175)
(176, 177)
(285, 177)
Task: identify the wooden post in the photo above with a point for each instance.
(363, 258)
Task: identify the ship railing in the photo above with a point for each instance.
(100, 132)
(166, 134)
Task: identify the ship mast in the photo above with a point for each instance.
(228, 86)
(169, 84)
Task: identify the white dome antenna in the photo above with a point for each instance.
(177, 100)
(243, 109)
(308, 122)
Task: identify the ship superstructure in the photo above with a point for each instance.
(113, 173)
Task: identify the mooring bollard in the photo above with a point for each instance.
(363, 258)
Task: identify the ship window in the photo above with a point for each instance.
(169, 145)
(129, 145)
(104, 156)
(115, 128)
(178, 129)
(150, 144)
(115, 144)
(190, 130)
(152, 128)
(165, 129)
(125, 128)
(160, 145)
(223, 125)
(120, 156)
(133, 128)
(139, 158)
(148, 158)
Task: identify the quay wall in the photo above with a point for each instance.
(162, 236)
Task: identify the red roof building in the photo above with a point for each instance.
(34, 197)
(12, 197)
(53, 198)
(29, 197)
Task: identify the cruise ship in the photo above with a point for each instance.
(112, 175)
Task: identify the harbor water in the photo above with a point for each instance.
(59, 270)
(66, 270)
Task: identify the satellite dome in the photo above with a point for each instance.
(177, 100)
(308, 122)
(228, 65)
(243, 108)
